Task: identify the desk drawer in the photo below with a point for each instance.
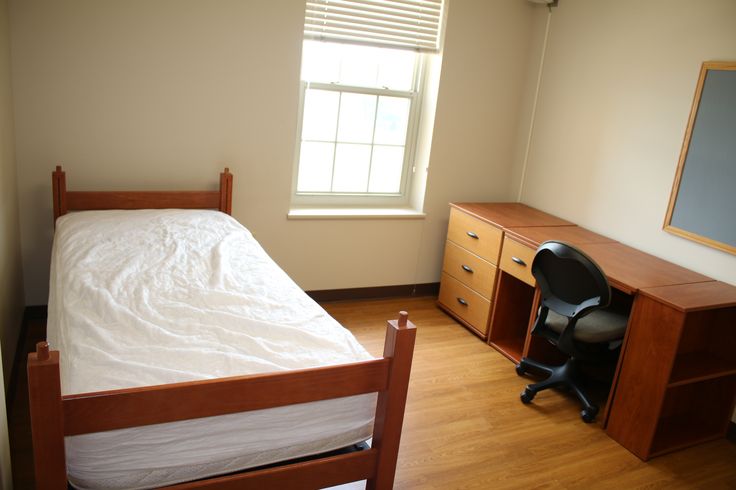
(469, 269)
(516, 259)
(465, 303)
(475, 235)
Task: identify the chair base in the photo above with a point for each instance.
(568, 375)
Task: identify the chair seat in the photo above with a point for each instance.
(599, 326)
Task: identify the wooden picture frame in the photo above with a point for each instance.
(704, 210)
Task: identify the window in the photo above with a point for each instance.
(358, 119)
(361, 81)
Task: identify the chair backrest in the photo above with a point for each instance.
(571, 283)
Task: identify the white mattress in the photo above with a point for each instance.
(150, 297)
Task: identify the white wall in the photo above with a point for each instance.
(165, 92)
(616, 92)
(11, 281)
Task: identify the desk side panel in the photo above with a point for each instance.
(653, 336)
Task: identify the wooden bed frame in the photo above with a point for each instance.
(65, 201)
(54, 416)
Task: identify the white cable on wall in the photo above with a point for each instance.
(534, 108)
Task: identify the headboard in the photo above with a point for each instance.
(65, 201)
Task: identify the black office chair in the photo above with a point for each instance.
(574, 293)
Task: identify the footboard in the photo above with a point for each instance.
(54, 416)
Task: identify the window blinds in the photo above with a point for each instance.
(407, 24)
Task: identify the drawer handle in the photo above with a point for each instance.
(467, 268)
(519, 261)
(472, 235)
(462, 301)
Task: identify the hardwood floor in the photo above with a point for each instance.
(465, 427)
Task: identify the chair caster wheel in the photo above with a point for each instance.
(527, 396)
(588, 415)
(520, 370)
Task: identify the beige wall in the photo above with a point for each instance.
(617, 86)
(11, 281)
(165, 92)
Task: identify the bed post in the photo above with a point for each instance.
(399, 346)
(58, 186)
(47, 420)
(226, 191)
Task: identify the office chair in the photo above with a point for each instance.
(574, 292)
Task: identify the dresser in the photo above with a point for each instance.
(473, 258)
(675, 381)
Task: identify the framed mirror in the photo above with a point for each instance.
(703, 201)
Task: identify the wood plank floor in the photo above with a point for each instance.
(465, 427)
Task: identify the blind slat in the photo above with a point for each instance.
(364, 24)
(414, 24)
(324, 12)
(426, 41)
(409, 7)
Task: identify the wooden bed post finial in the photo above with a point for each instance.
(403, 317)
(42, 351)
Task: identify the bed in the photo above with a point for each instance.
(184, 357)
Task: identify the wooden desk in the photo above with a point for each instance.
(676, 378)
(675, 382)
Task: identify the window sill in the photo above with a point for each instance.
(355, 213)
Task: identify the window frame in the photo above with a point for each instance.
(355, 199)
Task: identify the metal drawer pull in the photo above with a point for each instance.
(472, 235)
(462, 302)
(467, 269)
(519, 261)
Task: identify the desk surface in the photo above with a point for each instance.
(630, 270)
(508, 214)
(627, 268)
(694, 297)
(534, 236)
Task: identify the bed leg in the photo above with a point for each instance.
(47, 420)
(399, 346)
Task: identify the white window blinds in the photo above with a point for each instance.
(408, 24)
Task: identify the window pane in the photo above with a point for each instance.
(357, 114)
(315, 167)
(396, 70)
(386, 168)
(392, 120)
(351, 168)
(360, 65)
(321, 62)
(320, 115)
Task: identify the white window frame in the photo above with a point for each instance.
(348, 199)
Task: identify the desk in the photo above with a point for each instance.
(675, 382)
